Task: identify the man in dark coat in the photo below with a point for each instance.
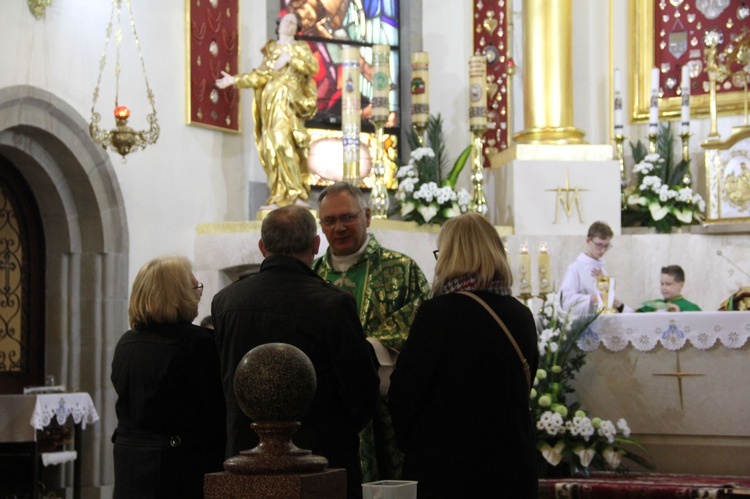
(287, 302)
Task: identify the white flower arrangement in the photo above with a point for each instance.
(426, 202)
(658, 197)
(425, 195)
(565, 433)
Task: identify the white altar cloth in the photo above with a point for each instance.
(672, 331)
(22, 415)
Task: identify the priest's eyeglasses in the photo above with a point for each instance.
(199, 287)
(345, 219)
(602, 246)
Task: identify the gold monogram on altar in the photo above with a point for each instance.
(606, 286)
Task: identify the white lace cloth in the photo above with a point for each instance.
(672, 331)
(61, 406)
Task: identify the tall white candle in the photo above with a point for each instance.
(350, 112)
(420, 88)
(477, 92)
(653, 116)
(618, 103)
(685, 89)
(381, 82)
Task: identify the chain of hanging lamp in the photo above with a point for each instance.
(122, 139)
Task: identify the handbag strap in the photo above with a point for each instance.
(524, 362)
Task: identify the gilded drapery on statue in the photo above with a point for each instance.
(285, 97)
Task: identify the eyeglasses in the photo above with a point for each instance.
(436, 253)
(199, 287)
(603, 246)
(346, 219)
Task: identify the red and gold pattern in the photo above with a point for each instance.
(213, 46)
(679, 28)
(490, 35)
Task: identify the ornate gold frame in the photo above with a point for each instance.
(642, 61)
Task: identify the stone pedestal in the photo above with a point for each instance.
(329, 484)
(555, 189)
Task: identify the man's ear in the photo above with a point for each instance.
(316, 245)
(262, 248)
(367, 216)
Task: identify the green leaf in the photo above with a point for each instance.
(457, 167)
(639, 151)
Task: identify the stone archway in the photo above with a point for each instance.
(86, 235)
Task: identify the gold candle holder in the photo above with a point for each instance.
(652, 143)
(379, 195)
(420, 129)
(478, 202)
(685, 136)
(620, 156)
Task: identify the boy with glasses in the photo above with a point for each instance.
(578, 289)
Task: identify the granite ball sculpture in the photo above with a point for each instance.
(274, 384)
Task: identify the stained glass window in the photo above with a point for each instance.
(328, 26)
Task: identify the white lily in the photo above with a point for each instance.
(612, 456)
(553, 455)
(585, 454)
(657, 211)
(406, 208)
(684, 216)
(428, 212)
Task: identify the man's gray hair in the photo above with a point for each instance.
(289, 231)
(362, 199)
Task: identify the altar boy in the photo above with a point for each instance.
(672, 282)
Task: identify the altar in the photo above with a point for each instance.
(681, 382)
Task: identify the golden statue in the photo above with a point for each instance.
(285, 97)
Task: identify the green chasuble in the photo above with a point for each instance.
(389, 287)
(654, 305)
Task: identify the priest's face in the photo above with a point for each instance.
(670, 287)
(344, 223)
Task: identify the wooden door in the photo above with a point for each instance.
(22, 263)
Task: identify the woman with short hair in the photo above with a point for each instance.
(459, 395)
(170, 405)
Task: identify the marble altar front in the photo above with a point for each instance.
(681, 382)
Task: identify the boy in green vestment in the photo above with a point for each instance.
(672, 282)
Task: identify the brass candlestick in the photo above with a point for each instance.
(620, 156)
(379, 196)
(685, 136)
(419, 129)
(478, 202)
(652, 143)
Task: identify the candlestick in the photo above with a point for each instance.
(420, 95)
(525, 271)
(653, 117)
(685, 136)
(685, 89)
(351, 113)
(620, 157)
(381, 87)
(543, 268)
(618, 121)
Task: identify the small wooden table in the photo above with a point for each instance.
(22, 416)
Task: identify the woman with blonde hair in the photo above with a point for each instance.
(170, 405)
(459, 395)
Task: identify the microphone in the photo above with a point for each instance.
(721, 254)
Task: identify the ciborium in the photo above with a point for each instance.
(604, 285)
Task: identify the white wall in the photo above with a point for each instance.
(192, 174)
